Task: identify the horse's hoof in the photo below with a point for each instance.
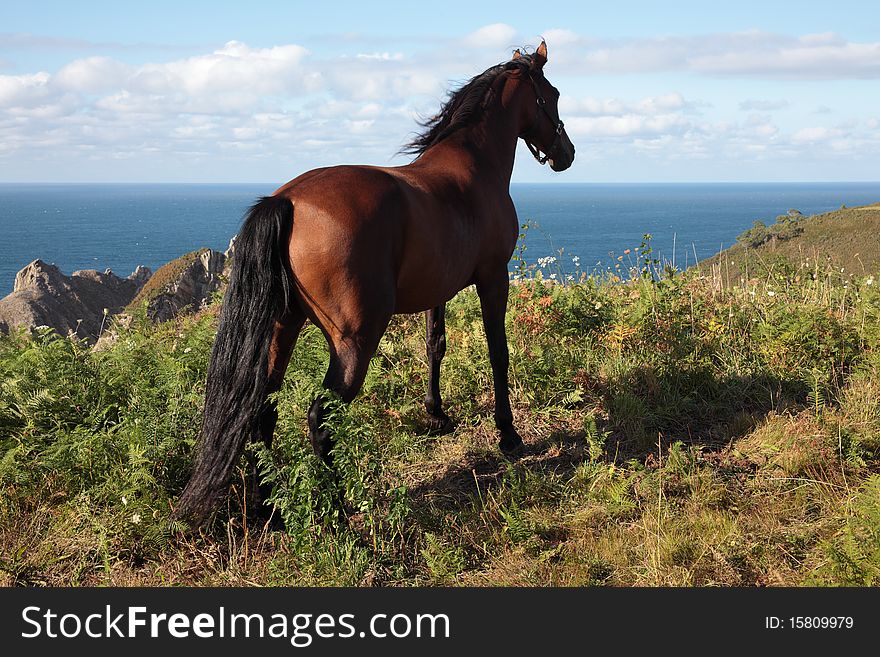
(439, 425)
(512, 446)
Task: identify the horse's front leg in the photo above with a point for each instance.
(435, 345)
(493, 302)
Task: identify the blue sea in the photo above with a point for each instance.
(120, 226)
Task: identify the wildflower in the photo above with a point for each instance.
(552, 277)
(627, 251)
(870, 281)
(576, 260)
(569, 277)
(124, 501)
(136, 518)
(598, 305)
(771, 293)
(187, 350)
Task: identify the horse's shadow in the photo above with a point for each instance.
(481, 472)
(733, 411)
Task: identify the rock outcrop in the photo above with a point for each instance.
(186, 284)
(84, 302)
(81, 303)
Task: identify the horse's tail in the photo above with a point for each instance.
(260, 288)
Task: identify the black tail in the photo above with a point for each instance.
(259, 291)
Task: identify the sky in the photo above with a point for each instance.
(263, 91)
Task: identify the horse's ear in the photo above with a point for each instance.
(516, 55)
(541, 55)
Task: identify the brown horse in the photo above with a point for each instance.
(348, 246)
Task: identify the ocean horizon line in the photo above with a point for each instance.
(522, 182)
(117, 226)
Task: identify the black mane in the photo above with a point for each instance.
(462, 108)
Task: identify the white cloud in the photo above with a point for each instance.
(560, 37)
(626, 125)
(814, 134)
(763, 105)
(93, 74)
(612, 106)
(496, 37)
(234, 68)
(802, 61)
(823, 39)
(384, 56)
(23, 90)
(745, 54)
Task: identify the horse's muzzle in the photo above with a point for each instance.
(564, 155)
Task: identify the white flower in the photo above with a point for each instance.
(136, 518)
(552, 277)
(124, 501)
(598, 305)
(870, 281)
(771, 293)
(187, 350)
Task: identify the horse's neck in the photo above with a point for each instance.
(478, 154)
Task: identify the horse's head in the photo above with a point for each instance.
(541, 127)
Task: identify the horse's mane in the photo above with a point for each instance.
(462, 108)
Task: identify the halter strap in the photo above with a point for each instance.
(541, 105)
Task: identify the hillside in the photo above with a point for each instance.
(677, 432)
(845, 239)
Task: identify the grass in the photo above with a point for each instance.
(679, 432)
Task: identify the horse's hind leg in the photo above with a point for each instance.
(286, 332)
(435, 345)
(349, 361)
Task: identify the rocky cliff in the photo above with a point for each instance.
(80, 303)
(84, 302)
(186, 284)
